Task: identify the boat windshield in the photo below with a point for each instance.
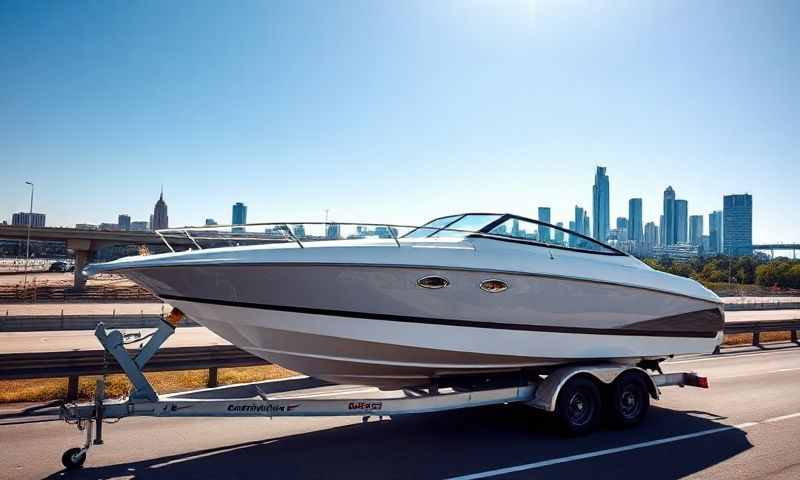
(542, 233)
(473, 222)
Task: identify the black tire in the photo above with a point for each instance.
(72, 460)
(579, 406)
(628, 400)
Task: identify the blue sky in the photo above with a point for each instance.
(397, 111)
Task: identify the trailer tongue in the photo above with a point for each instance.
(576, 394)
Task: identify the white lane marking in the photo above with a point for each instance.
(754, 374)
(784, 417)
(610, 451)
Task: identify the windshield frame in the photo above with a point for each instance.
(503, 219)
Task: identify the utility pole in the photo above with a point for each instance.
(28, 242)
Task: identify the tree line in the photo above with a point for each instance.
(780, 272)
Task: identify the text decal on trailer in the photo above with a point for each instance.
(268, 408)
(365, 405)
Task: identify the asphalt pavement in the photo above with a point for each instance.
(747, 425)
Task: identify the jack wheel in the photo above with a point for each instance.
(73, 458)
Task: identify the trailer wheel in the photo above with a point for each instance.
(578, 406)
(629, 400)
(73, 458)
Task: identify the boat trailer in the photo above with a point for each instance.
(571, 392)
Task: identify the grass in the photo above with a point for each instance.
(45, 389)
(41, 390)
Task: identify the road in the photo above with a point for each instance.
(745, 426)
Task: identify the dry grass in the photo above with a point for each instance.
(117, 385)
(747, 338)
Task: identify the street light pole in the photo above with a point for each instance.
(28, 242)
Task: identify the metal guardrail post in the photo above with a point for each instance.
(794, 336)
(756, 338)
(72, 388)
(213, 377)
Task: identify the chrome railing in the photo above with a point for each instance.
(301, 233)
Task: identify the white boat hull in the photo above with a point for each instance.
(354, 350)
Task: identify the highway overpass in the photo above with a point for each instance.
(778, 246)
(85, 242)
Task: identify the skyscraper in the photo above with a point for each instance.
(587, 228)
(681, 220)
(600, 209)
(544, 232)
(558, 234)
(124, 222)
(715, 231)
(210, 222)
(578, 225)
(737, 215)
(650, 236)
(662, 229)
(160, 218)
(696, 229)
(668, 225)
(239, 216)
(635, 219)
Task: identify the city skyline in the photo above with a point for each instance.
(503, 105)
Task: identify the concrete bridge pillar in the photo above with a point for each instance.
(82, 249)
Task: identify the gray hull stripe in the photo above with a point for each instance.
(712, 314)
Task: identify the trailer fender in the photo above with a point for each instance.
(547, 391)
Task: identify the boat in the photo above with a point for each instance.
(474, 294)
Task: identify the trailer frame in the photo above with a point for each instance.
(540, 392)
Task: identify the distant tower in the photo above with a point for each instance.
(239, 216)
(715, 231)
(737, 221)
(600, 208)
(124, 222)
(544, 232)
(635, 219)
(681, 220)
(160, 217)
(668, 229)
(696, 229)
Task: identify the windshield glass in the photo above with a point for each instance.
(432, 226)
(549, 234)
(471, 223)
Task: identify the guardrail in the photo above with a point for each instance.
(756, 328)
(739, 307)
(47, 323)
(70, 364)
(73, 364)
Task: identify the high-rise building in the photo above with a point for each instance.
(681, 220)
(662, 229)
(650, 236)
(635, 219)
(211, 221)
(587, 225)
(544, 232)
(333, 231)
(600, 201)
(578, 225)
(124, 222)
(737, 219)
(668, 235)
(715, 232)
(558, 235)
(160, 218)
(139, 226)
(36, 220)
(239, 216)
(622, 222)
(696, 229)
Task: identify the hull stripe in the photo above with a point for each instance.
(638, 332)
